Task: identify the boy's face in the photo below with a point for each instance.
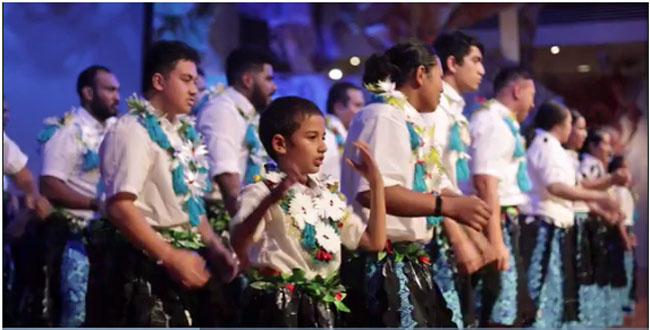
(180, 87)
(306, 146)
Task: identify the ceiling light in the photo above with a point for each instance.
(335, 74)
(584, 68)
(555, 50)
(355, 61)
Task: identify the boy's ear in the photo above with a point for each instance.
(279, 144)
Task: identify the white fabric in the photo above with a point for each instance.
(591, 168)
(14, 159)
(492, 151)
(383, 128)
(578, 206)
(131, 162)
(626, 199)
(549, 163)
(449, 111)
(224, 131)
(276, 242)
(63, 155)
(333, 158)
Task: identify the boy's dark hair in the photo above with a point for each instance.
(339, 93)
(550, 113)
(87, 77)
(615, 163)
(162, 57)
(456, 44)
(398, 62)
(245, 59)
(284, 116)
(508, 75)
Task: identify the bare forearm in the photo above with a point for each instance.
(376, 230)
(487, 190)
(24, 181)
(242, 233)
(61, 195)
(403, 202)
(230, 187)
(130, 222)
(598, 184)
(574, 193)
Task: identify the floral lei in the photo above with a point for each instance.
(85, 136)
(318, 218)
(428, 169)
(189, 164)
(340, 142)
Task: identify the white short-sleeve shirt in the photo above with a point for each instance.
(14, 159)
(223, 125)
(578, 206)
(131, 162)
(492, 149)
(63, 155)
(277, 243)
(547, 163)
(383, 128)
(333, 156)
(626, 199)
(449, 111)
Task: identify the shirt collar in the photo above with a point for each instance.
(241, 101)
(86, 118)
(452, 94)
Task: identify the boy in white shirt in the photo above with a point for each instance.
(291, 225)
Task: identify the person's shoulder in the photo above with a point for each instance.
(128, 126)
(380, 110)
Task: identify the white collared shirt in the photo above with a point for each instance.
(578, 206)
(131, 162)
(591, 168)
(224, 129)
(63, 155)
(449, 111)
(549, 163)
(276, 242)
(383, 128)
(14, 159)
(492, 150)
(333, 156)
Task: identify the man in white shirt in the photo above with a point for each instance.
(154, 169)
(70, 179)
(343, 101)
(228, 120)
(498, 169)
(462, 62)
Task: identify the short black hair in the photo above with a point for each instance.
(456, 44)
(507, 75)
(339, 93)
(284, 116)
(244, 59)
(550, 114)
(162, 57)
(398, 62)
(87, 77)
(595, 136)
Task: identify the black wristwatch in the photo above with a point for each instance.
(438, 210)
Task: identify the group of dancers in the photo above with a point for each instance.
(222, 207)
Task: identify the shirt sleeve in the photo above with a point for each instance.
(251, 197)
(14, 159)
(125, 158)
(548, 167)
(352, 230)
(223, 131)
(61, 153)
(488, 146)
(388, 139)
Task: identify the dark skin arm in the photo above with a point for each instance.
(230, 186)
(61, 195)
